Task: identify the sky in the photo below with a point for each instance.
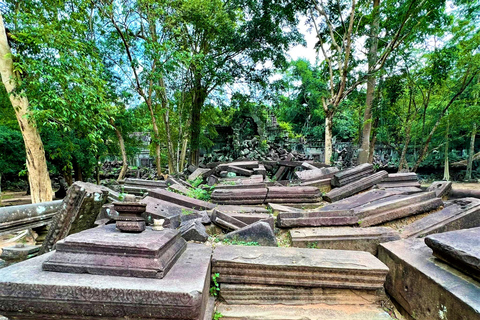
(300, 51)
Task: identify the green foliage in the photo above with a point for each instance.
(217, 315)
(215, 287)
(236, 242)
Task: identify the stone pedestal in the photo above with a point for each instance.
(129, 217)
(107, 251)
(28, 292)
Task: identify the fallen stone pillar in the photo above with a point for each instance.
(345, 177)
(180, 199)
(355, 187)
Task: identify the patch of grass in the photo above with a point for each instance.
(217, 315)
(312, 245)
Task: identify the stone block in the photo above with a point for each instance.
(298, 267)
(441, 188)
(19, 252)
(426, 288)
(180, 199)
(460, 214)
(107, 251)
(287, 295)
(316, 218)
(197, 173)
(172, 213)
(347, 190)
(28, 292)
(260, 232)
(227, 221)
(193, 230)
(460, 249)
(343, 238)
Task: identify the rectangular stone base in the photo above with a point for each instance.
(425, 287)
(298, 267)
(26, 291)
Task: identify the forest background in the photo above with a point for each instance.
(81, 76)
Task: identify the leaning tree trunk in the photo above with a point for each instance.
(328, 137)
(468, 175)
(364, 155)
(39, 179)
(446, 171)
(198, 100)
(121, 143)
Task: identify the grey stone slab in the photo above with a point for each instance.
(427, 288)
(460, 249)
(402, 176)
(460, 214)
(242, 209)
(316, 218)
(441, 188)
(19, 252)
(197, 173)
(343, 238)
(172, 213)
(286, 295)
(298, 267)
(226, 220)
(28, 292)
(320, 311)
(260, 232)
(180, 199)
(358, 200)
(107, 251)
(355, 187)
(250, 218)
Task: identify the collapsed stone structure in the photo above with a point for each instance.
(331, 267)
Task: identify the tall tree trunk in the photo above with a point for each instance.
(199, 97)
(328, 137)
(468, 175)
(371, 151)
(39, 179)
(121, 143)
(364, 155)
(77, 170)
(183, 154)
(446, 171)
(403, 158)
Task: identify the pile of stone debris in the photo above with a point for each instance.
(355, 233)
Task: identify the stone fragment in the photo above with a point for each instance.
(260, 232)
(170, 212)
(197, 173)
(250, 218)
(281, 208)
(358, 200)
(239, 196)
(78, 212)
(180, 199)
(464, 193)
(193, 230)
(355, 187)
(293, 194)
(460, 249)
(239, 170)
(398, 184)
(441, 188)
(226, 220)
(402, 176)
(129, 217)
(345, 177)
(242, 209)
(426, 288)
(317, 173)
(180, 189)
(16, 218)
(344, 238)
(19, 252)
(182, 294)
(460, 214)
(298, 267)
(316, 218)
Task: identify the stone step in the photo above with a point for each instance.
(425, 287)
(298, 267)
(461, 214)
(265, 294)
(307, 312)
(460, 249)
(343, 238)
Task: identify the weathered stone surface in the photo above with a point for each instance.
(197, 173)
(78, 212)
(281, 208)
(19, 252)
(241, 209)
(358, 200)
(403, 176)
(145, 183)
(193, 230)
(353, 174)
(298, 267)
(240, 186)
(264, 294)
(395, 207)
(460, 249)
(239, 170)
(180, 199)
(16, 218)
(293, 194)
(441, 188)
(178, 188)
(307, 312)
(172, 213)
(107, 251)
(322, 184)
(316, 218)
(239, 196)
(226, 220)
(27, 292)
(250, 218)
(317, 173)
(405, 190)
(460, 214)
(260, 232)
(355, 187)
(129, 217)
(398, 184)
(463, 193)
(425, 287)
(358, 239)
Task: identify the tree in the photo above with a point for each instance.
(38, 176)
